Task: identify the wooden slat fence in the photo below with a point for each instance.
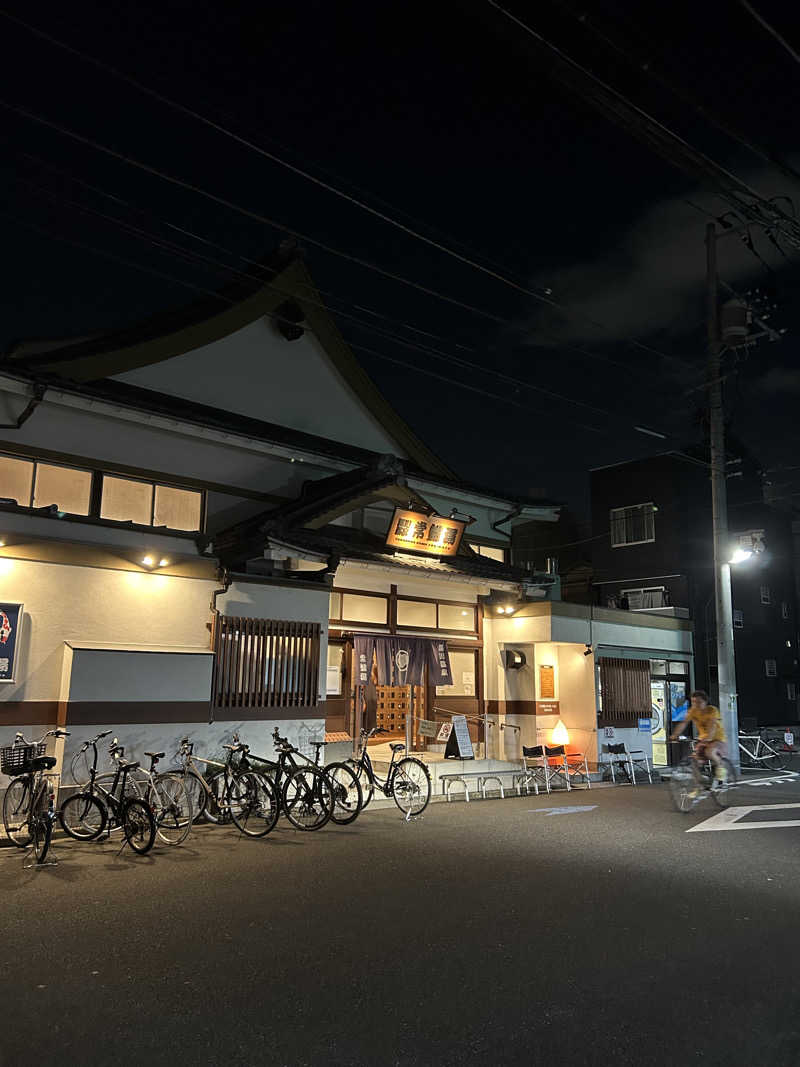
(265, 663)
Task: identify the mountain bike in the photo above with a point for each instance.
(234, 793)
(85, 815)
(692, 780)
(757, 751)
(29, 802)
(407, 780)
(165, 793)
(306, 792)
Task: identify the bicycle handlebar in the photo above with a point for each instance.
(20, 739)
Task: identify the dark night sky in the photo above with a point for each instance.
(445, 113)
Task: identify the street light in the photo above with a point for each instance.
(740, 555)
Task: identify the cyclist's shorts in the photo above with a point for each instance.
(702, 747)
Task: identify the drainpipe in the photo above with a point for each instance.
(33, 403)
(226, 584)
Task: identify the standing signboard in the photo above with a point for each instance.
(10, 623)
(459, 746)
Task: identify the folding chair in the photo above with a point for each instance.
(546, 762)
(623, 761)
(578, 767)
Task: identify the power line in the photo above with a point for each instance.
(770, 30)
(545, 297)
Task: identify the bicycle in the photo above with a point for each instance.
(693, 780)
(29, 801)
(166, 794)
(407, 780)
(305, 790)
(85, 815)
(232, 793)
(757, 751)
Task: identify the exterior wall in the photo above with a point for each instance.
(291, 383)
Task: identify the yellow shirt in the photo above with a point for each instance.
(709, 723)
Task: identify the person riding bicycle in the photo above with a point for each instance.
(711, 740)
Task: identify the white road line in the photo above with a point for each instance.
(562, 811)
(729, 819)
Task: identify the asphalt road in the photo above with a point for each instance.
(489, 932)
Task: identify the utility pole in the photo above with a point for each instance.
(726, 662)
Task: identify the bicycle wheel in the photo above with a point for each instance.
(307, 799)
(722, 795)
(41, 832)
(196, 792)
(365, 780)
(411, 786)
(774, 756)
(218, 808)
(138, 825)
(683, 784)
(16, 803)
(83, 817)
(346, 791)
(254, 805)
(172, 808)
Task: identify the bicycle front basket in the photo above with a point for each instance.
(14, 759)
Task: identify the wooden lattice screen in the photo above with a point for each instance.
(265, 663)
(625, 689)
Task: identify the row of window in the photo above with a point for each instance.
(738, 616)
(33, 483)
(373, 609)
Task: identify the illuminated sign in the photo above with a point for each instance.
(431, 534)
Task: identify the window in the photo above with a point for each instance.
(632, 526)
(264, 663)
(16, 480)
(489, 551)
(457, 617)
(765, 595)
(333, 686)
(641, 599)
(66, 487)
(462, 666)
(791, 691)
(784, 610)
(416, 613)
(374, 609)
(738, 619)
(177, 509)
(771, 668)
(129, 500)
(40, 485)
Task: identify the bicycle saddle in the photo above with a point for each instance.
(398, 746)
(40, 763)
(155, 755)
(319, 744)
(126, 765)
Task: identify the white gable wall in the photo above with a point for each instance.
(257, 372)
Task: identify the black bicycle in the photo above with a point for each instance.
(305, 790)
(407, 780)
(85, 815)
(29, 802)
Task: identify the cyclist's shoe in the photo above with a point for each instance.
(694, 794)
(720, 778)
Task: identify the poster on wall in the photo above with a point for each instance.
(10, 622)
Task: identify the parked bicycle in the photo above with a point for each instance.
(306, 792)
(29, 801)
(407, 780)
(164, 792)
(85, 815)
(755, 750)
(234, 793)
(693, 780)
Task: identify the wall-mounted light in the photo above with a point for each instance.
(2, 544)
(513, 659)
(560, 735)
(148, 561)
(589, 650)
(163, 562)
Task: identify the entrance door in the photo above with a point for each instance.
(669, 702)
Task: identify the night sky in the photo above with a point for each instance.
(443, 116)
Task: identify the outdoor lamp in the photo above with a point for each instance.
(560, 735)
(148, 561)
(589, 649)
(740, 555)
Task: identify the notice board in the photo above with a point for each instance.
(459, 745)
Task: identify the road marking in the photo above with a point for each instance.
(789, 776)
(729, 819)
(562, 811)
